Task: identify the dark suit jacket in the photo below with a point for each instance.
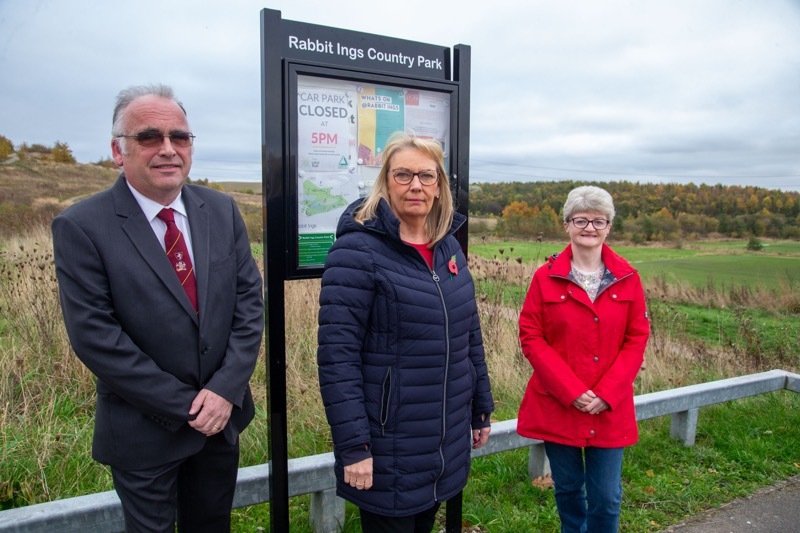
(132, 325)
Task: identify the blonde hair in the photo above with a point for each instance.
(440, 219)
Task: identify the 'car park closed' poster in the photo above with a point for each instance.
(342, 127)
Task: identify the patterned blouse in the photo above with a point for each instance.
(589, 281)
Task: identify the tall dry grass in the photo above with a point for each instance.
(307, 425)
(786, 298)
(36, 356)
(42, 384)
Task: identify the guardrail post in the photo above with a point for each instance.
(326, 512)
(684, 426)
(792, 382)
(538, 463)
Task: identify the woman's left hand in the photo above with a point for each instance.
(480, 437)
(596, 406)
(359, 475)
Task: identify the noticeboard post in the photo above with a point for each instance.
(330, 100)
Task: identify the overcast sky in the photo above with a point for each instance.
(706, 91)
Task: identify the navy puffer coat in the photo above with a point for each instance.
(401, 364)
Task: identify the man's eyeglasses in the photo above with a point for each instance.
(598, 223)
(404, 176)
(153, 138)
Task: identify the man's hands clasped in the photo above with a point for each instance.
(213, 412)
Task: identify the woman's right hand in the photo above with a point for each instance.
(359, 475)
(582, 401)
(589, 402)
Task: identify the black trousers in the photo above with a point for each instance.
(197, 491)
(417, 523)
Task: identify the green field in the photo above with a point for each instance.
(720, 263)
(718, 294)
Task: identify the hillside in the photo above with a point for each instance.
(32, 192)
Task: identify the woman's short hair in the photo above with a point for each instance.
(588, 198)
(440, 219)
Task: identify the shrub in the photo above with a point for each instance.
(22, 152)
(755, 244)
(37, 148)
(62, 154)
(253, 222)
(6, 148)
(106, 163)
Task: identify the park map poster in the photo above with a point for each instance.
(342, 127)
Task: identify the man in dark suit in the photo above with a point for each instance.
(171, 330)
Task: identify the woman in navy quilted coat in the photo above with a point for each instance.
(401, 361)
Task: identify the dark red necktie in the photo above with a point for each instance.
(178, 255)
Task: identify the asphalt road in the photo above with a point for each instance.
(774, 509)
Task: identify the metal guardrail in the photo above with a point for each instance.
(102, 512)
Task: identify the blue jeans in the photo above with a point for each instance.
(588, 487)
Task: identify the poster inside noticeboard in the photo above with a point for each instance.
(341, 129)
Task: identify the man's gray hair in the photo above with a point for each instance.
(589, 198)
(127, 96)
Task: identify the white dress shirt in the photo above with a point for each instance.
(151, 210)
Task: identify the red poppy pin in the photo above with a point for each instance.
(452, 267)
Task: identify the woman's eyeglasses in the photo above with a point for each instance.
(153, 138)
(404, 176)
(598, 223)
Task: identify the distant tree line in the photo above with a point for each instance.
(205, 183)
(645, 211)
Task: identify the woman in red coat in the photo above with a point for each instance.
(584, 328)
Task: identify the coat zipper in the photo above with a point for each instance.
(444, 385)
(436, 280)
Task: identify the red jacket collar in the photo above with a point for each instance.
(560, 264)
